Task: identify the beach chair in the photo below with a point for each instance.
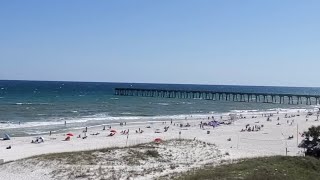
(111, 134)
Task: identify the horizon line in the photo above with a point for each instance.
(79, 81)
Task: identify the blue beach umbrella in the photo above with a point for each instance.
(6, 137)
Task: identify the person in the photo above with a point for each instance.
(65, 123)
(50, 133)
(104, 128)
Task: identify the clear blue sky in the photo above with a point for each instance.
(271, 42)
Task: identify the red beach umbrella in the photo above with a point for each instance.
(69, 134)
(158, 140)
(114, 131)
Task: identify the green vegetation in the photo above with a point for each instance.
(313, 132)
(92, 157)
(152, 153)
(266, 168)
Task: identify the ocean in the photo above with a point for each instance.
(37, 107)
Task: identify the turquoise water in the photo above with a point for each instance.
(35, 107)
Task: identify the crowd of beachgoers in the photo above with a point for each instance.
(240, 135)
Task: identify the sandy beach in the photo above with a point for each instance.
(231, 139)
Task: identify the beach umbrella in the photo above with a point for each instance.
(6, 137)
(158, 140)
(114, 131)
(69, 134)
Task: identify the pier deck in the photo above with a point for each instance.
(221, 96)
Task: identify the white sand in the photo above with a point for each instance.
(271, 140)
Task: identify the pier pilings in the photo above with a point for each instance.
(221, 96)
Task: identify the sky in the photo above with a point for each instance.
(229, 42)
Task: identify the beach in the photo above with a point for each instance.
(231, 138)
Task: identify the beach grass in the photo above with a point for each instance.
(264, 168)
(148, 159)
(93, 156)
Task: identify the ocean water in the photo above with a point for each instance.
(37, 107)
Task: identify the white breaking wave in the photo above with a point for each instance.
(21, 103)
(163, 104)
(126, 113)
(105, 118)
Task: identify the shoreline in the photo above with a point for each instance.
(229, 138)
(55, 143)
(16, 130)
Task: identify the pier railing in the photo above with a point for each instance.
(221, 96)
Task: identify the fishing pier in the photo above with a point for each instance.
(221, 96)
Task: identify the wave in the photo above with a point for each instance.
(105, 118)
(102, 117)
(126, 113)
(163, 104)
(188, 103)
(20, 103)
(160, 103)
